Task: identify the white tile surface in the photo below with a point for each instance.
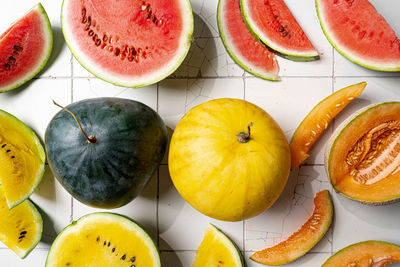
(208, 73)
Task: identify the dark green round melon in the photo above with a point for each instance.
(130, 141)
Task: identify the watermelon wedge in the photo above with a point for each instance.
(241, 45)
(360, 33)
(271, 22)
(128, 43)
(25, 48)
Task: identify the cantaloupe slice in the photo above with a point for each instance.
(365, 254)
(318, 120)
(303, 240)
(21, 227)
(217, 249)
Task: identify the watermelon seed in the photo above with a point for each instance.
(105, 38)
(68, 264)
(13, 157)
(133, 51)
(18, 48)
(15, 53)
(83, 12)
(123, 257)
(116, 52)
(95, 37)
(11, 59)
(89, 19)
(284, 33)
(84, 20)
(3, 145)
(113, 250)
(130, 59)
(103, 45)
(98, 42)
(90, 33)
(110, 48)
(7, 66)
(108, 244)
(281, 28)
(98, 239)
(22, 236)
(104, 243)
(8, 150)
(133, 259)
(23, 233)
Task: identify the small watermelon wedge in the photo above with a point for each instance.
(25, 48)
(271, 22)
(241, 45)
(357, 31)
(217, 249)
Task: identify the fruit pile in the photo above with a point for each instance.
(228, 158)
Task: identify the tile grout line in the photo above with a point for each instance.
(333, 124)
(158, 182)
(72, 100)
(244, 221)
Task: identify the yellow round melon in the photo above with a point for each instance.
(229, 159)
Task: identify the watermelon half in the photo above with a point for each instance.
(128, 43)
(271, 22)
(25, 48)
(360, 33)
(241, 45)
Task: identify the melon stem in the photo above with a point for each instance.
(91, 139)
(244, 137)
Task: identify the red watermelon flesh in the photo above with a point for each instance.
(360, 33)
(241, 44)
(272, 22)
(128, 43)
(25, 48)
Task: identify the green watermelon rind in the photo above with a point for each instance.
(269, 44)
(117, 217)
(48, 31)
(226, 42)
(42, 155)
(38, 236)
(347, 55)
(189, 33)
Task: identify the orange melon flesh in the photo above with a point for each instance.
(318, 120)
(365, 254)
(304, 239)
(342, 141)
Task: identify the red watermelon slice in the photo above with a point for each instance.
(244, 49)
(360, 33)
(273, 24)
(25, 48)
(130, 43)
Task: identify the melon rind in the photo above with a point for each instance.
(235, 55)
(228, 243)
(270, 44)
(48, 48)
(331, 143)
(347, 54)
(98, 216)
(42, 156)
(369, 242)
(135, 82)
